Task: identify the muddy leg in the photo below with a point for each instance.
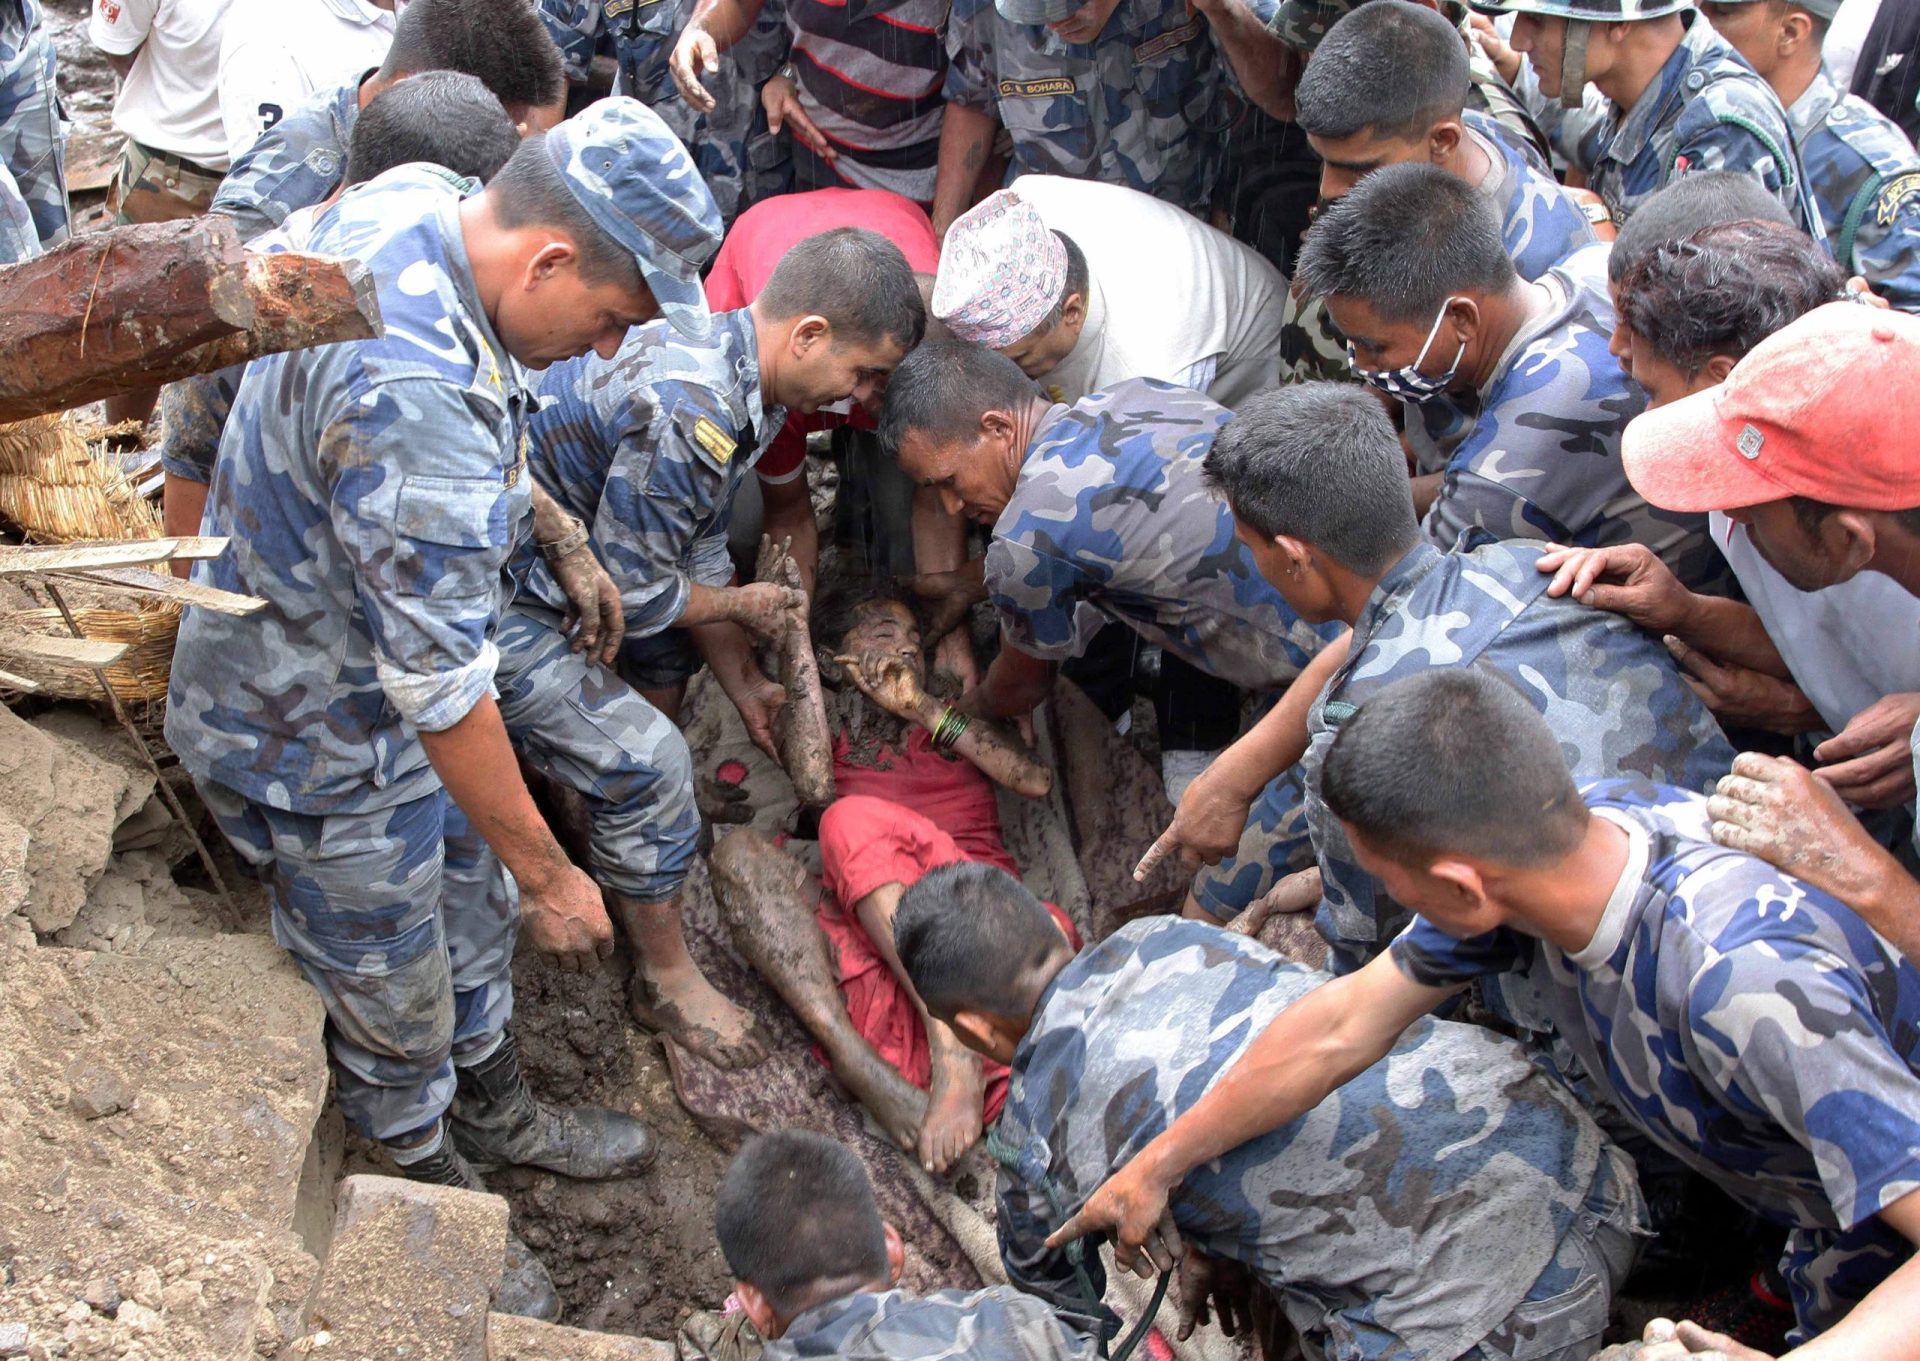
(670, 993)
(766, 901)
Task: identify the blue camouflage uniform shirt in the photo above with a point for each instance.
(1540, 223)
(1111, 518)
(33, 192)
(1612, 695)
(1705, 110)
(1749, 1024)
(1865, 180)
(379, 550)
(736, 155)
(293, 164)
(1145, 105)
(995, 1324)
(648, 449)
(1405, 1216)
(1540, 456)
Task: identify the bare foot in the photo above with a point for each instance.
(685, 1006)
(955, 1114)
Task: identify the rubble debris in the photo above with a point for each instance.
(411, 1264)
(95, 1093)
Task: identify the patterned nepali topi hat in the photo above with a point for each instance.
(1002, 271)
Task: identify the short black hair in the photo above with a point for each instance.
(1077, 280)
(447, 118)
(944, 387)
(1395, 68)
(857, 279)
(968, 934)
(1319, 462)
(504, 42)
(1404, 240)
(1725, 289)
(1706, 198)
(1454, 761)
(794, 1210)
(529, 191)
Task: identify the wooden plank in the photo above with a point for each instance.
(14, 561)
(82, 652)
(134, 581)
(9, 681)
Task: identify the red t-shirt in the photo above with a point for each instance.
(772, 227)
(949, 792)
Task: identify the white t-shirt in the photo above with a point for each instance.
(1167, 294)
(1847, 646)
(1846, 35)
(276, 53)
(169, 100)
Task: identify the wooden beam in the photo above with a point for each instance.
(78, 652)
(87, 557)
(136, 582)
(131, 308)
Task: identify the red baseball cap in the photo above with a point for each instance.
(1827, 408)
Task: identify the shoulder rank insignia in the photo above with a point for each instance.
(717, 442)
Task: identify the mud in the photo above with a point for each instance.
(627, 1257)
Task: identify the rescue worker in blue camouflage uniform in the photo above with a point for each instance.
(441, 117)
(1862, 171)
(648, 448)
(1316, 483)
(299, 160)
(817, 1271)
(1133, 92)
(1743, 1021)
(1647, 92)
(1098, 514)
(1394, 83)
(738, 157)
(346, 738)
(33, 183)
(1516, 376)
(1450, 1199)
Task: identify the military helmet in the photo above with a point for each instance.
(1590, 11)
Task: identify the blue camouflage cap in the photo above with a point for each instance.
(637, 182)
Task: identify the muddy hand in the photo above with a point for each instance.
(1295, 893)
(593, 602)
(567, 919)
(1776, 809)
(1132, 1207)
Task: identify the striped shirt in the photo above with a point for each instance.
(870, 77)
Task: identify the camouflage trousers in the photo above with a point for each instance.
(154, 186)
(19, 240)
(404, 921)
(1566, 1311)
(31, 147)
(580, 724)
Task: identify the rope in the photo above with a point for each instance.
(1077, 1256)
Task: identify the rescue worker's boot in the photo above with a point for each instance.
(525, 1287)
(495, 1120)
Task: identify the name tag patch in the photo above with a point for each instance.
(1166, 42)
(1046, 88)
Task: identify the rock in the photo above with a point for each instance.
(96, 1092)
(511, 1338)
(101, 1294)
(13, 1339)
(68, 801)
(411, 1264)
(137, 1317)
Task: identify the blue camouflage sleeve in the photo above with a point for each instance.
(1786, 1029)
(575, 27)
(1886, 247)
(1434, 959)
(661, 487)
(969, 78)
(1040, 599)
(194, 414)
(426, 547)
(1735, 130)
